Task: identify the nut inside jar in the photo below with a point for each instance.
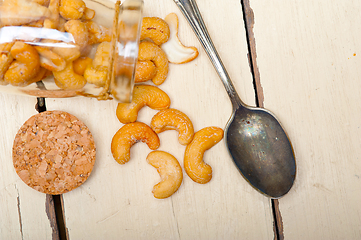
(65, 48)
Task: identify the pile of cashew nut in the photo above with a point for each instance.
(25, 61)
(153, 60)
(29, 60)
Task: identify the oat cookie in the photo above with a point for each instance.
(53, 152)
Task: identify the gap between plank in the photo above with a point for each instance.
(248, 17)
(50, 212)
(59, 210)
(53, 203)
(278, 224)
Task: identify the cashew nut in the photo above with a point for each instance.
(72, 9)
(25, 67)
(102, 55)
(36, 24)
(69, 53)
(53, 21)
(170, 172)
(61, 24)
(203, 140)
(47, 23)
(143, 95)
(67, 79)
(144, 71)
(152, 52)
(128, 135)
(50, 60)
(81, 64)
(95, 76)
(19, 12)
(96, 73)
(42, 2)
(98, 33)
(155, 29)
(79, 31)
(39, 76)
(88, 14)
(5, 60)
(175, 50)
(173, 119)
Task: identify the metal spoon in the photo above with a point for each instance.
(255, 139)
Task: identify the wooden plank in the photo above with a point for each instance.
(24, 212)
(116, 201)
(308, 59)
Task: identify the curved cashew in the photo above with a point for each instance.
(143, 95)
(50, 60)
(98, 33)
(79, 31)
(81, 64)
(152, 52)
(173, 119)
(175, 50)
(67, 79)
(170, 172)
(156, 29)
(72, 9)
(25, 67)
(128, 135)
(144, 71)
(20, 12)
(203, 140)
(96, 73)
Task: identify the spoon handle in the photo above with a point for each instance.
(191, 12)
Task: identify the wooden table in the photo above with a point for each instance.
(299, 59)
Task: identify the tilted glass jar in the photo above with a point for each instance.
(66, 48)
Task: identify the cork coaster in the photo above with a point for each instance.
(53, 152)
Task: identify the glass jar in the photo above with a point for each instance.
(67, 48)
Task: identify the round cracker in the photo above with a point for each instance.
(54, 152)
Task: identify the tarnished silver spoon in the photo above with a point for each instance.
(258, 144)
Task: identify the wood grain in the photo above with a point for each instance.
(308, 59)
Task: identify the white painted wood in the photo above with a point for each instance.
(22, 209)
(116, 201)
(309, 62)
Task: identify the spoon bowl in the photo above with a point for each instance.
(256, 141)
(261, 150)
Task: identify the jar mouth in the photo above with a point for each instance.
(125, 49)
